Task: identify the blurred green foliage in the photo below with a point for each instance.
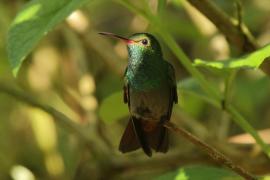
(79, 73)
(199, 173)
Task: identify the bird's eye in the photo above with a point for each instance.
(145, 42)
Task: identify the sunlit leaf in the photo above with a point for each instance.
(252, 60)
(113, 108)
(32, 23)
(199, 173)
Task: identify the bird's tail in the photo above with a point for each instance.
(144, 134)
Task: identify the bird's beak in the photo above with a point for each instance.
(126, 40)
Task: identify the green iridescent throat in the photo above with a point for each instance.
(145, 69)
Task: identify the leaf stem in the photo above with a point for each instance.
(228, 86)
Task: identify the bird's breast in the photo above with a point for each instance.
(149, 105)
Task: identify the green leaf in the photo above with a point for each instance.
(252, 60)
(192, 97)
(199, 173)
(34, 21)
(190, 86)
(113, 108)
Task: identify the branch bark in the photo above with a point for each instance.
(240, 37)
(212, 152)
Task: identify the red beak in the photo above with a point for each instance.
(126, 40)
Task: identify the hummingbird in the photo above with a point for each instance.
(149, 91)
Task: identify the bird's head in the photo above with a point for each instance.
(140, 44)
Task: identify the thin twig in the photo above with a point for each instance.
(212, 152)
(239, 14)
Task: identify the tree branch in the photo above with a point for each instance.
(240, 37)
(212, 152)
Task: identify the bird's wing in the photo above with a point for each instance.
(172, 82)
(173, 89)
(126, 90)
